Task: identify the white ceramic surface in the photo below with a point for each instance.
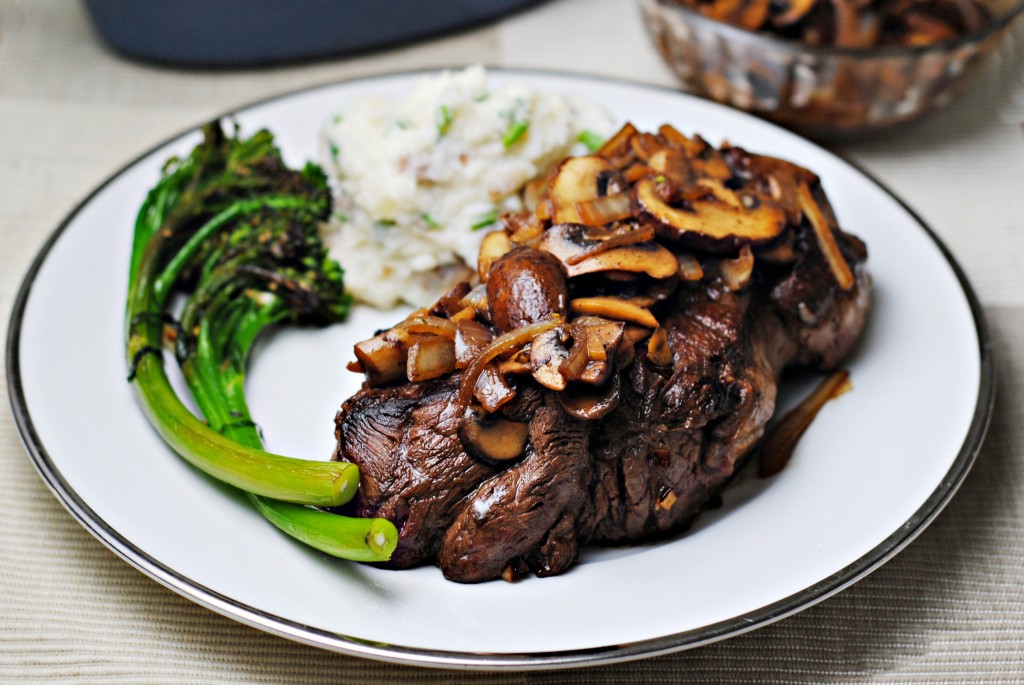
(873, 470)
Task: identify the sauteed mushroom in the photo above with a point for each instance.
(492, 438)
(716, 217)
(525, 286)
(588, 402)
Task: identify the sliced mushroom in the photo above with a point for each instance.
(601, 340)
(718, 219)
(780, 178)
(573, 243)
(504, 344)
(523, 228)
(430, 356)
(646, 145)
(673, 164)
(780, 252)
(518, 364)
(492, 439)
(576, 181)
(703, 159)
(649, 258)
(575, 362)
(535, 191)
(546, 356)
(615, 308)
(635, 172)
(635, 335)
(383, 357)
(493, 247)
(588, 402)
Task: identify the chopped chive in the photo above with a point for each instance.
(485, 220)
(515, 131)
(387, 222)
(429, 221)
(341, 216)
(444, 120)
(592, 140)
(337, 118)
(402, 124)
(334, 150)
(482, 97)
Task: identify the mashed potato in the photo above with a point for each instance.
(419, 182)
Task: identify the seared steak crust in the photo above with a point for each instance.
(643, 471)
(615, 368)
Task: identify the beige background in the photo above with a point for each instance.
(950, 608)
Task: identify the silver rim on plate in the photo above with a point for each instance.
(292, 630)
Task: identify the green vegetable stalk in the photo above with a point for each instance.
(231, 236)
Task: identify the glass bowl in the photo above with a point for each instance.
(820, 91)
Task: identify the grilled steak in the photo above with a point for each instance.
(617, 433)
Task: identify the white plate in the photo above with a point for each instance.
(875, 468)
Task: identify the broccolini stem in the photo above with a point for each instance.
(357, 539)
(320, 483)
(216, 378)
(293, 480)
(235, 230)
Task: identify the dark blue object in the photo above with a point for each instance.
(253, 32)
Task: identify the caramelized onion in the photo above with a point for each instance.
(737, 272)
(434, 325)
(430, 356)
(618, 145)
(503, 344)
(492, 390)
(604, 210)
(471, 338)
(658, 349)
(689, 268)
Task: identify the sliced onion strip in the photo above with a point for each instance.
(501, 345)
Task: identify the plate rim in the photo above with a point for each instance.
(484, 661)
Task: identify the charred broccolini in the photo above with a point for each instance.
(234, 233)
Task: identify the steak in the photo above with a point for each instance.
(659, 434)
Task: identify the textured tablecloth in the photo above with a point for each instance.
(950, 608)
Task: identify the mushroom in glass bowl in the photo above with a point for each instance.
(827, 68)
